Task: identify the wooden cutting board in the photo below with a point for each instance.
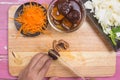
(90, 54)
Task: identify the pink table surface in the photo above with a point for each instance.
(4, 7)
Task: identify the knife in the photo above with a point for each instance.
(66, 64)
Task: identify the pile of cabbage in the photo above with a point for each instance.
(108, 14)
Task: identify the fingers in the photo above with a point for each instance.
(37, 68)
(41, 62)
(45, 68)
(34, 60)
(54, 78)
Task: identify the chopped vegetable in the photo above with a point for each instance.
(107, 12)
(33, 19)
(114, 36)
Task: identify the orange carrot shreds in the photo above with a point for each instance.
(33, 19)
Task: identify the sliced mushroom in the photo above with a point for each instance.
(64, 7)
(66, 24)
(56, 15)
(63, 44)
(73, 16)
(53, 54)
(56, 22)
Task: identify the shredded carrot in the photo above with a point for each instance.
(33, 19)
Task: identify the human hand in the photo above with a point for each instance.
(37, 68)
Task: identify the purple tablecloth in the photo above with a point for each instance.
(4, 7)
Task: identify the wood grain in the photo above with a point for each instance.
(89, 52)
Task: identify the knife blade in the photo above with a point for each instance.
(66, 64)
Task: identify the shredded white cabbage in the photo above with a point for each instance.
(106, 11)
(118, 34)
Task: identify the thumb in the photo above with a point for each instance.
(53, 78)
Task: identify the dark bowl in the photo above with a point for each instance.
(19, 11)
